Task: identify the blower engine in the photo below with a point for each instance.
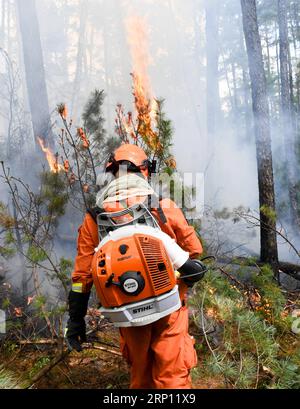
(134, 268)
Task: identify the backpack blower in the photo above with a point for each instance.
(134, 268)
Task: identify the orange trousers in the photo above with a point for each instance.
(160, 354)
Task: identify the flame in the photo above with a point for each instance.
(83, 137)
(145, 102)
(137, 38)
(55, 167)
(66, 166)
(18, 312)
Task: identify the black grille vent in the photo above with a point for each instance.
(156, 263)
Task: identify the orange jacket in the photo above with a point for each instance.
(176, 227)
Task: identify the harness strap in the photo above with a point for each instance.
(97, 210)
(94, 212)
(161, 214)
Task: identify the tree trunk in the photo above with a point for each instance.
(277, 58)
(83, 13)
(268, 53)
(212, 64)
(292, 96)
(269, 76)
(34, 70)
(286, 114)
(246, 88)
(293, 19)
(268, 252)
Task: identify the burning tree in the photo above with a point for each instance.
(31, 222)
(82, 152)
(149, 129)
(147, 126)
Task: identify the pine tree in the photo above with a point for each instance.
(35, 72)
(287, 114)
(268, 243)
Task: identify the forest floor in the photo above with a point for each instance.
(89, 369)
(27, 358)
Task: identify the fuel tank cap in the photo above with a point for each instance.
(132, 282)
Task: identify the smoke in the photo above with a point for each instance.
(98, 53)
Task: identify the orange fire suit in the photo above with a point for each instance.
(162, 353)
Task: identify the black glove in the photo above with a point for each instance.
(192, 271)
(76, 328)
(75, 335)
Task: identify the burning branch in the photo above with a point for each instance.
(76, 154)
(52, 159)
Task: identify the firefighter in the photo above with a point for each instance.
(160, 354)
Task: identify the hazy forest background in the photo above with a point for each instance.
(208, 86)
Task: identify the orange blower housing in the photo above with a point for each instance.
(132, 269)
(133, 275)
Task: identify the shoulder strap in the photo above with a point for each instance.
(97, 210)
(161, 214)
(94, 212)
